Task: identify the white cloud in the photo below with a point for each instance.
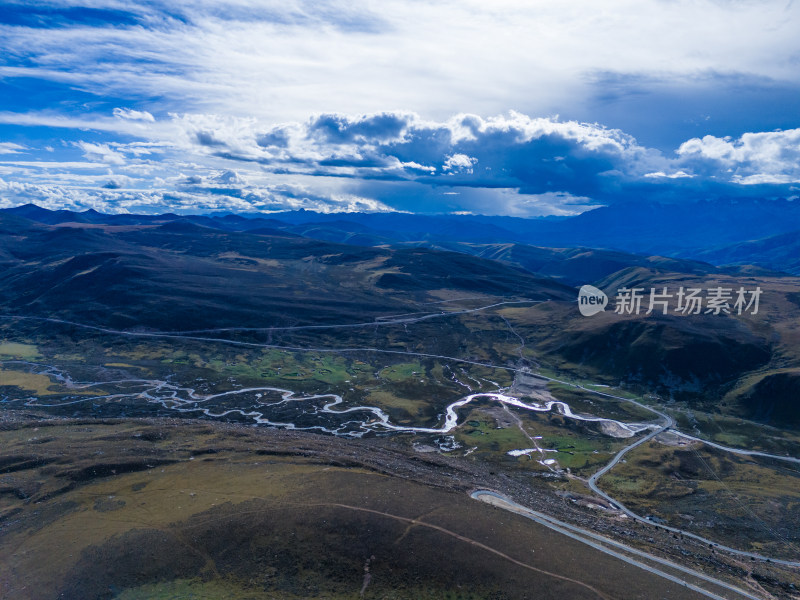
(555, 203)
(753, 158)
(92, 122)
(48, 165)
(285, 60)
(11, 148)
(102, 153)
(231, 177)
(675, 175)
(459, 163)
(139, 149)
(133, 115)
(353, 203)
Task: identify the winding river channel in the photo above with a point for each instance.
(278, 407)
(329, 413)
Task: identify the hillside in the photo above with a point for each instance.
(780, 252)
(180, 275)
(172, 273)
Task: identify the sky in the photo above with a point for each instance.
(523, 108)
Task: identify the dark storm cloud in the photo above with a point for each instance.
(379, 128)
(536, 156)
(663, 111)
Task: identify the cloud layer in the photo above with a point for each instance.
(435, 106)
(282, 60)
(510, 164)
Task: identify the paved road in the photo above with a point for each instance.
(601, 543)
(379, 321)
(592, 481)
(738, 450)
(667, 421)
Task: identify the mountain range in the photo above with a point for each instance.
(738, 231)
(171, 272)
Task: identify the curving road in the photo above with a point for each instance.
(592, 482)
(601, 543)
(667, 423)
(737, 450)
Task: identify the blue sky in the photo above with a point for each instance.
(521, 108)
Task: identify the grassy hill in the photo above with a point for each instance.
(180, 275)
(174, 273)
